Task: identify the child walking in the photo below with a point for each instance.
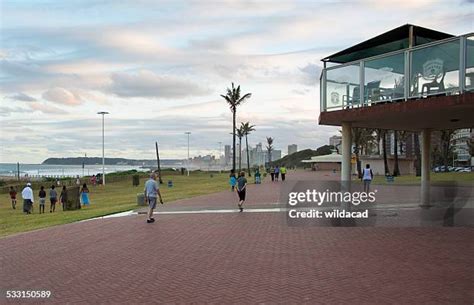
(42, 199)
(13, 197)
(241, 189)
(232, 181)
(85, 195)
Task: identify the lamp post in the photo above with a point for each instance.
(187, 162)
(103, 113)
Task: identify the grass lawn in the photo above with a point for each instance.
(435, 177)
(115, 197)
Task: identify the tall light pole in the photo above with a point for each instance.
(187, 163)
(103, 113)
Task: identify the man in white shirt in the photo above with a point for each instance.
(28, 199)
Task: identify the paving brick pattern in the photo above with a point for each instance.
(239, 258)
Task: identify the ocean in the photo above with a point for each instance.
(50, 170)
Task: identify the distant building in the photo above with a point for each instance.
(276, 154)
(335, 141)
(460, 144)
(227, 154)
(292, 149)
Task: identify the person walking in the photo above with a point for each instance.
(367, 176)
(63, 197)
(53, 198)
(272, 173)
(232, 180)
(28, 198)
(13, 197)
(42, 199)
(241, 189)
(283, 172)
(85, 195)
(152, 191)
(258, 177)
(277, 173)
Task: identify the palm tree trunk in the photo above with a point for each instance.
(233, 140)
(396, 168)
(248, 158)
(416, 140)
(384, 151)
(240, 155)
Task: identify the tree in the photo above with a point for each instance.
(361, 136)
(240, 135)
(269, 148)
(384, 152)
(416, 144)
(396, 167)
(247, 129)
(446, 147)
(234, 99)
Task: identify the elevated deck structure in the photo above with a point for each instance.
(409, 78)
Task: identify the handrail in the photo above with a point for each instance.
(425, 45)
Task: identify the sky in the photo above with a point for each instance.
(159, 68)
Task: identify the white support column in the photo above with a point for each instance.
(425, 167)
(346, 152)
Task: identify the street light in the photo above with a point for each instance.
(187, 162)
(103, 113)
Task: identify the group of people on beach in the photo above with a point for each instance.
(29, 198)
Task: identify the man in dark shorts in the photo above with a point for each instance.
(152, 191)
(241, 189)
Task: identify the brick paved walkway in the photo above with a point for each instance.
(245, 258)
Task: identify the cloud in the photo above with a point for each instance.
(45, 108)
(146, 83)
(22, 97)
(62, 96)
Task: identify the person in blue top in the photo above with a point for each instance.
(152, 192)
(367, 176)
(85, 195)
(277, 173)
(232, 180)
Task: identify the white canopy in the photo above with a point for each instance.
(332, 158)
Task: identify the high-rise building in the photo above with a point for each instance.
(227, 154)
(461, 138)
(292, 149)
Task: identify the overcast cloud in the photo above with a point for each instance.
(159, 67)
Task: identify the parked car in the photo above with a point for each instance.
(465, 170)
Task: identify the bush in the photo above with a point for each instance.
(136, 180)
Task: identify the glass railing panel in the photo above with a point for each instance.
(384, 79)
(342, 87)
(435, 69)
(470, 63)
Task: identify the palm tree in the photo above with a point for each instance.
(247, 128)
(234, 99)
(269, 148)
(396, 167)
(384, 151)
(240, 135)
(416, 144)
(361, 136)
